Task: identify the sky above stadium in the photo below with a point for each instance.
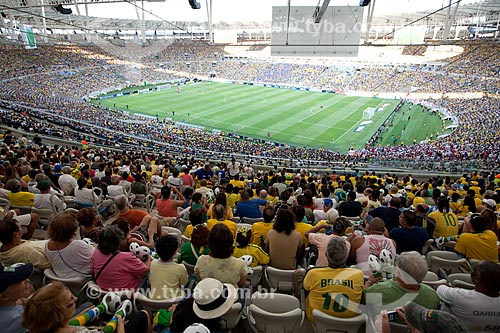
(248, 10)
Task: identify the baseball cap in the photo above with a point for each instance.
(11, 275)
(43, 185)
(57, 167)
(327, 202)
(432, 321)
(490, 202)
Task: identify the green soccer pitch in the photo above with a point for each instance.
(301, 118)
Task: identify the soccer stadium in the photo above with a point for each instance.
(261, 166)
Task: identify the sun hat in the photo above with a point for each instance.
(432, 321)
(11, 275)
(213, 298)
(490, 202)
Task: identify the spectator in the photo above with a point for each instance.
(219, 217)
(220, 264)
(424, 221)
(478, 308)
(43, 200)
(374, 242)
(344, 284)
(247, 207)
(335, 228)
(168, 207)
(410, 270)
(15, 250)
(283, 243)
(197, 246)
(15, 286)
(113, 269)
(260, 229)
(390, 214)
(167, 278)
(90, 223)
(220, 199)
(55, 301)
(351, 207)
(210, 300)
(446, 221)
(243, 247)
(68, 257)
(409, 237)
(141, 222)
(480, 244)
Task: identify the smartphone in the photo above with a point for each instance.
(392, 315)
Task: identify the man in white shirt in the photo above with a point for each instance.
(233, 169)
(478, 309)
(42, 200)
(67, 183)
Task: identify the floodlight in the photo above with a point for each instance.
(59, 8)
(364, 3)
(194, 4)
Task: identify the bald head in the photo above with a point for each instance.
(377, 225)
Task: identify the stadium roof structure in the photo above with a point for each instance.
(41, 14)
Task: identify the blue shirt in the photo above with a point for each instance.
(250, 208)
(10, 319)
(409, 239)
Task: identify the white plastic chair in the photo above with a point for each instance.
(152, 305)
(279, 279)
(275, 313)
(74, 284)
(432, 280)
(330, 324)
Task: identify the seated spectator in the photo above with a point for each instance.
(90, 223)
(167, 278)
(196, 218)
(424, 221)
(113, 269)
(220, 264)
(301, 226)
(260, 229)
(243, 247)
(15, 286)
(446, 221)
(478, 308)
(351, 207)
(131, 237)
(247, 207)
(390, 214)
(219, 214)
(168, 207)
(192, 250)
(28, 221)
(409, 237)
(66, 182)
(409, 272)
(283, 243)
(198, 201)
(68, 257)
(220, 199)
(210, 300)
(322, 208)
(42, 200)
(374, 242)
(16, 196)
(55, 301)
(141, 222)
(345, 285)
(422, 320)
(15, 250)
(480, 244)
(336, 228)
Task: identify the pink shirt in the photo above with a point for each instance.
(124, 271)
(165, 208)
